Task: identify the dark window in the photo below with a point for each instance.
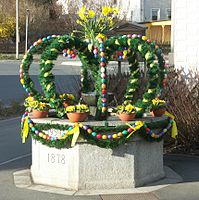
(155, 14)
(168, 13)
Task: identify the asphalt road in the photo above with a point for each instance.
(10, 141)
(67, 80)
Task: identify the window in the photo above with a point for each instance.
(168, 13)
(155, 14)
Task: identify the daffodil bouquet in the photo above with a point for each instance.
(32, 104)
(126, 108)
(96, 25)
(80, 108)
(157, 103)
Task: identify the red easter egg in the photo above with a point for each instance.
(129, 130)
(99, 136)
(103, 91)
(102, 64)
(104, 100)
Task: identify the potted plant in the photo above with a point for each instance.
(158, 107)
(67, 99)
(126, 112)
(38, 108)
(77, 113)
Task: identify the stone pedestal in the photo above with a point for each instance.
(89, 167)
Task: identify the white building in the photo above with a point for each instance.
(185, 40)
(136, 10)
(146, 10)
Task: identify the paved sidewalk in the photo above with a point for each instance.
(186, 166)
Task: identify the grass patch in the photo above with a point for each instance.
(9, 56)
(15, 109)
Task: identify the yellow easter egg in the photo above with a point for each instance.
(89, 131)
(144, 38)
(22, 81)
(44, 137)
(103, 109)
(103, 86)
(41, 134)
(114, 136)
(104, 137)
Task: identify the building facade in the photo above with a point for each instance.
(185, 29)
(146, 10)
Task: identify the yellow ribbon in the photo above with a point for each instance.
(25, 130)
(138, 124)
(75, 132)
(174, 129)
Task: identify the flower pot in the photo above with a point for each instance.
(127, 117)
(39, 114)
(77, 117)
(158, 112)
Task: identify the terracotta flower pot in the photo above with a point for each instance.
(158, 112)
(77, 117)
(127, 117)
(39, 114)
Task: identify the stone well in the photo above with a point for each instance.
(89, 167)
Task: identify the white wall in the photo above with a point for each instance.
(126, 6)
(185, 33)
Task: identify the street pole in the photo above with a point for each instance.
(27, 23)
(17, 29)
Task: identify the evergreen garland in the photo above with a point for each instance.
(107, 143)
(38, 47)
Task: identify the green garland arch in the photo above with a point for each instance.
(54, 45)
(25, 79)
(51, 53)
(154, 62)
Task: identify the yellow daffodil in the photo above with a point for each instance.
(105, 10)
(70, 109)
(129, 108)
(31, 104)
(93, 23)
(66, 96)
(115, 11)
(91, 14)
(110, 10)
(158, 101)
(102, 36)
(77, 108)
(82, 16)
(83, 9)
